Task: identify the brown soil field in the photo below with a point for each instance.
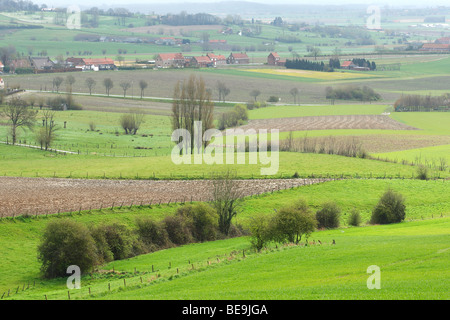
(328, 123)
(35, 196)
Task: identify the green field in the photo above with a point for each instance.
(423, 243)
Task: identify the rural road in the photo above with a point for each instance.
(33, 196)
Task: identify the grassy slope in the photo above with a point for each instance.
(18, 263)
(413, 259)
(412, 256)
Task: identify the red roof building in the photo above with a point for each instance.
(348, 65)
(435, 47)
(274, 60)
(99, 64)
(170, 60)
(217, 60)
(238, 58)
(200, 62)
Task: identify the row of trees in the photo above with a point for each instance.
(304, 64)
(351, 92)
(91, 83)
(422, 103)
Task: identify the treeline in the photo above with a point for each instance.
(14, 5)
(304, 64)
(351, 92)
(67, 242)
(184, 19)
(19, 26)
(422, 103)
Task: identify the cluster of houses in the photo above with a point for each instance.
(46, 65)
(178, 60)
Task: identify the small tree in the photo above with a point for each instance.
(19, 115)
(143, 85)
(227, 198)
(125, 86)
(109, 84)
(422, 172)
(47, 133)
(294, 92)
(328, 216)
(354, 218)
(57, 82)
(90, 83)
(255, 94)
(389, 209)
(259, 232)
(131, 122)
(291, 223)
(152, 234)
(65, 243)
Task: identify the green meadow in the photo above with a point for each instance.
(422, 239)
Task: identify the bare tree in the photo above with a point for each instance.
(143, 85)
(19, 116)
(125, 86)
(90, 83)
(131, 122)
(227, 198)
(223, 90)
(47, 133)
(57, 81)
(109, 84)
(294, 92)
(316, 52)
(191, 103)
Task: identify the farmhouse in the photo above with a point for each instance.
(274, 60)
(349, 65)
(217, 60)
(435, 47)
(42, 63)
(2, 84)
(1, 66)
(238, 58)
(99, 64)
(75, 63)
(170, 60)
(200, 62)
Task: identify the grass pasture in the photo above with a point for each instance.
(421, 243)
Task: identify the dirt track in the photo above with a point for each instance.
(46, 195)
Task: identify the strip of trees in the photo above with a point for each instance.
(191, 103)
(422, 103)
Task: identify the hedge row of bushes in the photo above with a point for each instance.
(291, 223)
(66, 242)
